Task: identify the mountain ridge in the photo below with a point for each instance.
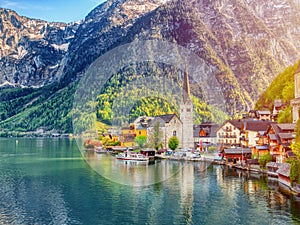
(244, 42)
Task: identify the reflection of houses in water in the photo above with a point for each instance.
(186, 176)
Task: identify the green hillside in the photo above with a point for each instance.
(23, 110)
(282, 87)
(26, 109)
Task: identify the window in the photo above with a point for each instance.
(174, 133)
(140, 132)
(188, 110)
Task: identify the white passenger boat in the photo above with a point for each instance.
(132, 156)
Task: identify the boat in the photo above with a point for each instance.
(100, 150)
(130, 156)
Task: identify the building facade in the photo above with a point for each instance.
(205, 135)
(229, 133)
(170, 125)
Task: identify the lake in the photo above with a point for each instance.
(47, 181)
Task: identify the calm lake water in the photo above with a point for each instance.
(47, 181)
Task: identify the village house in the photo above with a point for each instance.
(228, 133)
(170, 125)
(277, 108)
(236, 155)
(141, 124)
(280, 137)
(128, 135)
(205, 135)
(260, 115)
(250, 131)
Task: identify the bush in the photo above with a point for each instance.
(295, 169)
(264, 159)
(173, 143)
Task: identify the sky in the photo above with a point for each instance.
(52, 10)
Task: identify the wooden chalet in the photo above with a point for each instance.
(234, 155)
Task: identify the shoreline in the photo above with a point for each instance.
(294, 191)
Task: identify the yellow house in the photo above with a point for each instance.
(141, 124)
(128, 135)
(137, 128)
(141, 131)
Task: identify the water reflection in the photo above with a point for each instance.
(62, 189)
(131, 173)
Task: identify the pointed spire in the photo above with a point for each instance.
(186, 86)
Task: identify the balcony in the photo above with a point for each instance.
(228, 136)
(227, 129)
(244, 139)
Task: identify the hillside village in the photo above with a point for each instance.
(238, 142)
(255, 134)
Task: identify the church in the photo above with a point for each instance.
(296, 101)
(172, 125)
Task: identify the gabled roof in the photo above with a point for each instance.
(286, 135)
(257, 125)
(286, 126)
(161, 122)
(284, 169)
(209, 128)
(163, 119)
(275, 128)
(236, 123)
(273, 165)
(167, 117)
(237, 151)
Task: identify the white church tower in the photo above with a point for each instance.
(186, 115)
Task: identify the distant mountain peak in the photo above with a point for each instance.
(245, 43)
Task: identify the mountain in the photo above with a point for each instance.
(245, 43)
(283, 88)
(31, 50)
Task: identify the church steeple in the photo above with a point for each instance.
(186, 87)
(186, 114)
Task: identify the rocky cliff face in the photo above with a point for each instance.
(244, 42)
(31, 50)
